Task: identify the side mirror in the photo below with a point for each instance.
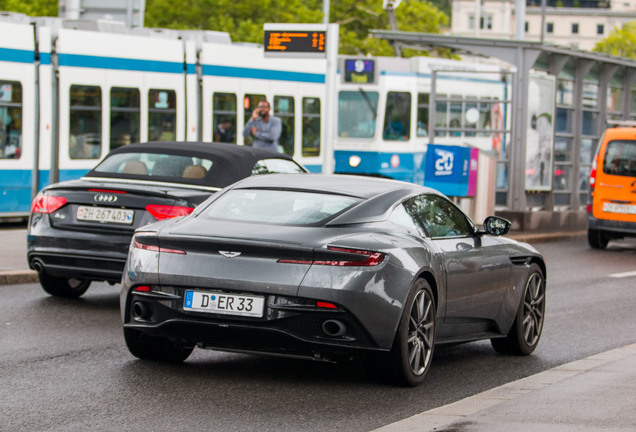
(496, 226)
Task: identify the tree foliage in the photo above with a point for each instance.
(31, 7)
(244, 20)
(620, 42)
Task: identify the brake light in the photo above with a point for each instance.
(143, 288)
(43, 203)
(368, 258)
(161, 212)
(146, 242)
(593, 173)
(326, 305)
(107, 191)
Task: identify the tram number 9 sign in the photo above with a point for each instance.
(294, 42)
(359, 71)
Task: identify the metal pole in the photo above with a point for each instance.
(331, 98)
(542, 19)
(325, 11)
(520, 19)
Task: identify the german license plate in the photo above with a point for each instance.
(222, 303)
(619, 208)
(105, 215)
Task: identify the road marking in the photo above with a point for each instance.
(623, 275)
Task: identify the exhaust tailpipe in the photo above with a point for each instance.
(334, 328)
(141, 310)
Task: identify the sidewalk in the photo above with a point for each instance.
(593, 394)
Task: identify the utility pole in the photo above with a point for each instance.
(389, 6)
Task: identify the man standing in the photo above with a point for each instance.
(264, 128)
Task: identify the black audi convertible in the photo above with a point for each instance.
(79, 231)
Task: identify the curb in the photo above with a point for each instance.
(10, 277)
(458, 411)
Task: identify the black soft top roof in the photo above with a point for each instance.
(232, 162)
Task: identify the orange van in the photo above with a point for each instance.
(611, 206)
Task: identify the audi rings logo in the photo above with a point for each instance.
(103, 198)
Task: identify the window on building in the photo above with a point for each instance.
(485, 22)
(11, 118)
(162, 115)
(549, 27)
(124, 116)
(85, 122)
(527, 26)
(224, 117)
(284, 110)
(471, 21)
(600, 29)
(311, 126)
(575, 28)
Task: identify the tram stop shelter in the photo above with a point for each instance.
(590, 90)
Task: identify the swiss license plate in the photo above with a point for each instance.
(105, 215)
(222, 303)
(619, 208)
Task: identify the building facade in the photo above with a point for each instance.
(578, 24)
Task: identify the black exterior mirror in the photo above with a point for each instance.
(497, 226)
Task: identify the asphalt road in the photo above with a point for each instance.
(64, 365)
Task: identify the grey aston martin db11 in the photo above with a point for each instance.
(320, 266)
(80, 230)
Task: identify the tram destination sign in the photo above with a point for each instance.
(295, 41)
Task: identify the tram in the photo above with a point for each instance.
(71, 91)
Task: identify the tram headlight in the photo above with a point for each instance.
(354, 161)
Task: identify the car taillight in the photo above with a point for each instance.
(43, 203)
(367, 258)
(161, 212)
(593, 173)
(151, 243)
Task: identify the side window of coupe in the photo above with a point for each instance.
(402, 216)
(438, 216)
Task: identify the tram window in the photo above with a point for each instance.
(224, 117)
(250, 102)
(455, 117)
(441, 115)
(124, 116)
(397, 118)
(422, 114)
(85, 118)
(284, 110)
(10, 119)
(470, 120)
(311, 126)
(357, 113)
(162, 115)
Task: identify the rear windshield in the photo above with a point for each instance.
(276, 166)
(155, 165)
(620, 158)
(278, 206)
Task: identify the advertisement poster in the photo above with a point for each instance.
(540, 132)
(452, 170)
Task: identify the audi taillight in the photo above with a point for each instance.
(161, 212)
(43, 203)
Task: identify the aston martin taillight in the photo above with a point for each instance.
(161, 212)
(43, 203)
(366, 258)
(151, 243)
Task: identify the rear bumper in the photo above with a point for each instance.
(71, 265)
(616, 228)
(285, 331)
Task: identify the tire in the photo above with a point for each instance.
(525, 333)
(63, 287)
(596, 239)
(155, 348)
(412, 351)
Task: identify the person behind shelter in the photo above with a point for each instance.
(224, 131)
(263, 127)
